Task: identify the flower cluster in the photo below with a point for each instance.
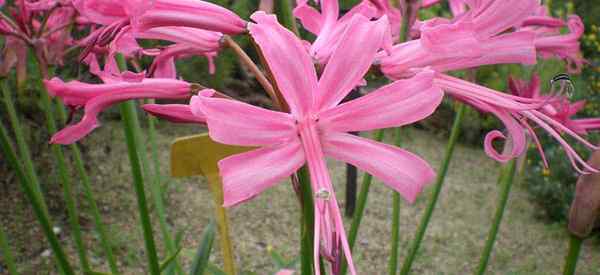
(309, 80)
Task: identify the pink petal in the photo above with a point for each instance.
(248, 174)
(177, 113)
(399, 169)
(310, 18)
(237, 123)
(492, 17)
(288, 60)
(188, 13)
(351, 59)
(400, 103)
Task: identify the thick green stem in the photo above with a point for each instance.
(441, 176)
(506, 179)
(105, 241)
(393, 261)
(131, 128)
(65, 178)
(7, 254)
(24, 151)
(307, 234)
(11, 157)
(360, 207)
(575, 244)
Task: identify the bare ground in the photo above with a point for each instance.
(452, 245)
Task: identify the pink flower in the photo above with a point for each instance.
(515, 113)
(328, 27)
(471, 40)
(94, 98)
(317, 124)
(559, 107)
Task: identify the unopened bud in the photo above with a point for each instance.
(585, 208)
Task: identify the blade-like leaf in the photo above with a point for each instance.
(169, 260)
(201, 259)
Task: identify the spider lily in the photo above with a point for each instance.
(515, 113)
(317, 125)
(94, 98)
(473, 39)
(328, 27)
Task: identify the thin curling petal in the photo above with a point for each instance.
(248, 174)
(254, 125)
(103, 12)
(190, 13)
(492, 17)
(309, 17)
(400, 103)
(351, 60)
(177, 113)
(397, 168)
(208, 41)
(286, 56)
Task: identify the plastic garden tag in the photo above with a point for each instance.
(198, 155)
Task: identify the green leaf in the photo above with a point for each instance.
(215, 270)
(201, 259)
(169, 260)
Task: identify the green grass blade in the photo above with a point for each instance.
(200, 261)
(24, 151)
(506, 179)
(7, 254)
(167, 262)
(11, 157)
(441, 176)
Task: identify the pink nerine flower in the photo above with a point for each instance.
(94, 98)
(515, 113)
(559, 107)
(474, 39)
(317, 124)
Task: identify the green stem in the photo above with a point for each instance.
(307, 234)
(7, 254)
(24, 151)
(393, 261)
(11, 157)
(283, 9)
(360, 207)
(65, 178)
(506, 179)
(105, 241)
(130, 120)
(441, 176)
(571, 259)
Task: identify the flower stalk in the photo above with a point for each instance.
(506, 178)
(7, 253)
(575, 244)
(129, 114)
(393, 261)
(439, 182)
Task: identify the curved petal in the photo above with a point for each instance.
(288, 62)
(351, 59)
(399, 169)
(248, 174)
(310, 18)
(400, 103)
(237, 123)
